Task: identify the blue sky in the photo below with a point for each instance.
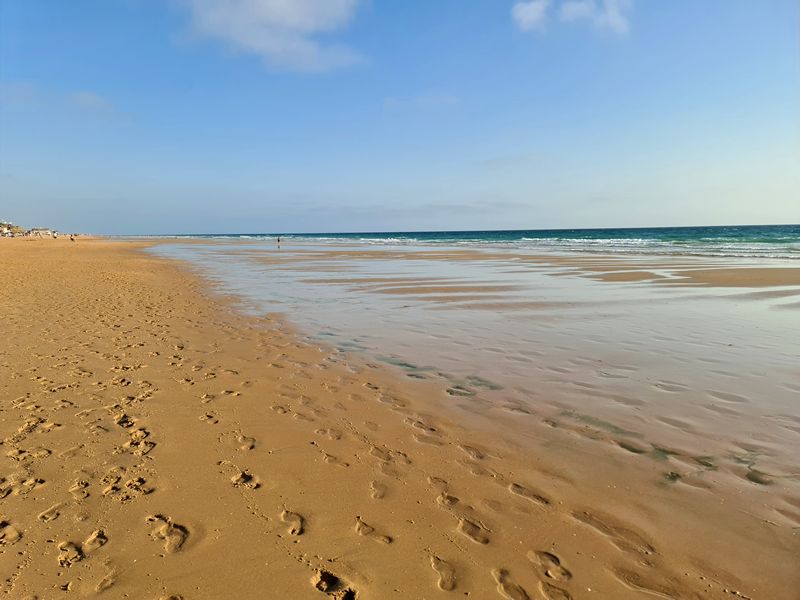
(178, 116)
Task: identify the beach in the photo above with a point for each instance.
(172, 430)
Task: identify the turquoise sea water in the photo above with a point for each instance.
(768, 241)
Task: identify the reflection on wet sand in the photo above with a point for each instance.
(671, 371)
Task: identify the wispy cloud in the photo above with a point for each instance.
(285, 33)
(609, 14)
(531, 15)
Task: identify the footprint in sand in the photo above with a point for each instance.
(138, 443)
(78, 490)
(133, 488)
(331, 434)
(71, 452)
(97, 429)
(124, 420)
(330, 584)
(173, 535)
(446, 500)
(34, 453)
(210, 418)
(246, 480)
(106, 582)
(96, 540)
(296, 522)
(423, 438)
(8, 533)
(245, 442)
(18, 485)
(507, 588)
(446, 573)
(389, 456)
(474, 532)
(472, 452)
(69, 554)
(391, 401)
(330, 458)
(240, 441)
(477, 469)
(437, 483)
(368, 531)
(645, 584)
(551, 592)
(528, 494)
(377, 490)
(112, 476)
(51, 514)
(550, 565)
(240, 477)
(421, 425)
(623, 538)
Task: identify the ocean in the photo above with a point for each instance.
(747, 241)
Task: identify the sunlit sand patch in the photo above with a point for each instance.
(738, 277)
(626, 276)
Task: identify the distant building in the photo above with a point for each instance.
(41, 232)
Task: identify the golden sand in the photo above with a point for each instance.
(158, 444)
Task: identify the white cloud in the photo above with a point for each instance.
(609, 14)
(530, 14)
(574, 10)
(283, 32)
(604, 14)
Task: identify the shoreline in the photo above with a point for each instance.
(188, 449)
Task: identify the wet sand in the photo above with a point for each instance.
(157, 443)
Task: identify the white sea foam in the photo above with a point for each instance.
(777, 246)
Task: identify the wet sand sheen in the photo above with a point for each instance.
(632, 322)
(169, 445)
(686, 270)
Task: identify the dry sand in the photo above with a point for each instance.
(158, 444)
